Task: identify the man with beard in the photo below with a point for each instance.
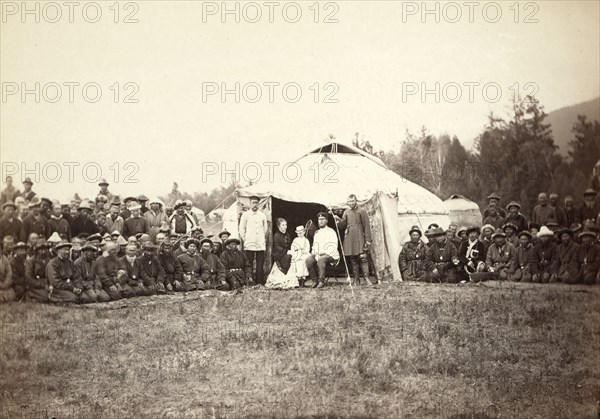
(216, 270)
(167, 263)
(63, 276)
(35, 222)
(561, 216)
(131, 265)
(500, 256)
(135, 224)
(83, 223)
(542, 212)
(111, 273)
(571, 212)
(92, 287)
(151, 271)
(357, 238)
(589, 257)
(511, 234)
(156, 217)
(566, 267)
(10, 225)
(515, 217)
(412, 257)
(590, 209)
(58, 224)
(471, 253)
(38, 288)
(17, 264)
(191, 272)
(46, 208)
(181, 222)
(441, 259)
(524, 265)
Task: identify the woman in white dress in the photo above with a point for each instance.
(300, 251)
(282, 275)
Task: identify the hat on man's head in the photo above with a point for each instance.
(129, 199)
(149, 246)
(566, 231)
(206, 240)
(461, 229)
(54, 238)
(47, 201)
(9, 204)
(231, 240)
(179, 204)
(513, 204)
(134, 206)
(525, 233)
(85, 205)
(438, 232)
(89, 247)
(575, 227)
(192, 241)
(28, 180)
(103, 182)
(322, 214)
(35, 202)
(510, 225)
(487, 227)
(21, 245)
(254, 198)
(63, 244)
(587, 232)
(224, 233)
(534, 225)
(95, 236)
(473, 229)
(590, 192)
(142, 198)
(42, 245)
(493, 195)
(415, 229)
(499, 233)
(115, 233)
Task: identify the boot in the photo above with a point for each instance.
(321, 283)
(315, 283)
(368, 281)
(301, 282)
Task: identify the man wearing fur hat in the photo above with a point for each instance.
(151, 271)
(500, 255)
(524, 265)
(191, 272)
(237, 266)
(515, 217)
(63, 276)
(566, 267)
(181, 222)
(441, 259)
(92, 287)
(494, 218)
(511, 234)
(412, 257)
(493, 202)
(544, 255)
(58, 224)
(216, 273)
(10, 225)
(589, 257)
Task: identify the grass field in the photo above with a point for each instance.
(401, 350)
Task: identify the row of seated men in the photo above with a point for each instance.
(479, 254)
(51, 274)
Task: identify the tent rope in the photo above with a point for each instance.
(343, 254)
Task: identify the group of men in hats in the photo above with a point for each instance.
(557, 245)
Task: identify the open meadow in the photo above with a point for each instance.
(397, 350)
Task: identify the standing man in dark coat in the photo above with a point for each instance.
(590, 209)
(442, 259)
(10, 193)
(357, 238)
(135, 224)
(35, 222)
(561, 216)
(27, 193)
(82, 223)
(515, 217)
(572, 213)
(10, 225)
(543, 213)
(494, 202)
(17, 263)
(58, 224)
(104, 190)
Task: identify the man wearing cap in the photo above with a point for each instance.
(500, 255)
(237, 266)
(324, 250)
(224, 236)
(511, 234)
(63, 276)
(151, 271)
(17, 265)
(524, 264)
(10, 193)
(35, 222)
(566, 267)
(57, 224)
(27, 193)
(357, 238)
(82, 223)
(7, 293)
(181, 222)
(590, 209)
(156, 217)
(441, 260)
(493, 202)
(143, 200)
(543, 213)
(136, 223)
(111, 273)
(412, 257)
(104, 190)
(216, 271)
(471, 253)
(91, 285)
(129, 201)
(544, 254)
(515, 217)
(191, 272)
(167, 263)
(589, 257)
(10, 225)
(46, 207)
(38, 287)
(253, 232)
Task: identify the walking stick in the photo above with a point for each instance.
(343, 255)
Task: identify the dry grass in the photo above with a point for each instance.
(403, 350)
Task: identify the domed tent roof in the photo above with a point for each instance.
(463, 211)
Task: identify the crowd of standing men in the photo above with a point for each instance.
(554, 244)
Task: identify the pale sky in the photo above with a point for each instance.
(373, 52)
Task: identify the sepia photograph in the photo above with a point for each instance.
(299, 209)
